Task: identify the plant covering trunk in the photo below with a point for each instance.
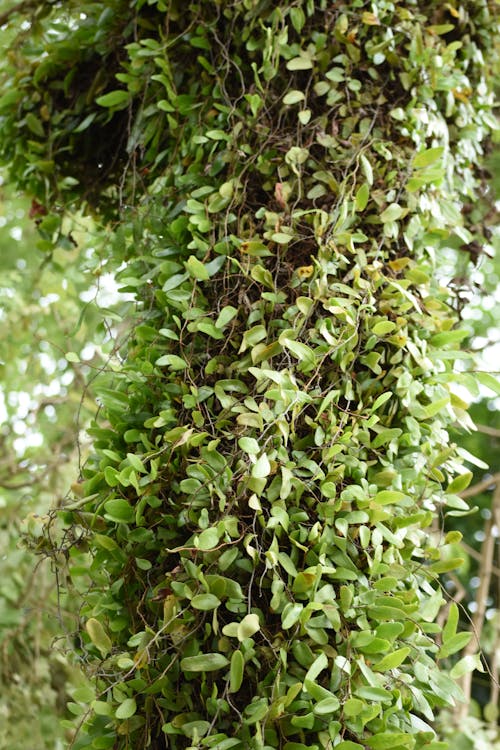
(259, 524)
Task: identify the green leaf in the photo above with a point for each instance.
(450, 627)
(453, 537)
(249, 445)
(262, 467)
(436, 406)
(174, 281)
(35, 125)
(299, 350)
(383, 328)
(225, 316)
(204, 663)
(298, 19)
(388, 497)
(196, 269)
(453, 644)
(429, 156)
(455, 336)
(208, 539)
(460, 483)
(83, 694)
(236, 671)
(205, 602)
(302, 62)
(252, 337)
(391, 213)
(362, 196)
(392, 660)
(380, 400)
(290, 615)
(318, 665)
(126, 709)
(281, 238)
(466, 664)
(248, 627)
(119, 511)
(444, 566)
(367, 169)
(293, 97)
(489, 380)
(389, 740)
(98, 636)
(327, 706)
(117, 98)
(255, 249)
(102, 708)
(217, 135)
(374, 694)
(304, 116)
(136, 463)
(172, 361)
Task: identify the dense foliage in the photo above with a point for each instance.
(258, 534)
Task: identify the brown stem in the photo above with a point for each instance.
(484, 484)
(477, 556)
(495, 659)
(484, 575)
(488, 430)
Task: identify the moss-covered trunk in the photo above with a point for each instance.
(271, 466)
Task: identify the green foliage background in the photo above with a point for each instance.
(270, 498)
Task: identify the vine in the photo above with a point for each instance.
(258, 519)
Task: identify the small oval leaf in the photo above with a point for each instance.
(126, 709)
(98, 636)
(236, 671)
(204, 663)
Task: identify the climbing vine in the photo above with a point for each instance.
(256, 538)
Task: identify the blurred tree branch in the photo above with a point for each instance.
(484, 484)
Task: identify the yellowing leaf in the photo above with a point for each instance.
(370, 19)
(255, 248)
(304, 272)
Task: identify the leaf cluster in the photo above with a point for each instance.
(261, 560)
